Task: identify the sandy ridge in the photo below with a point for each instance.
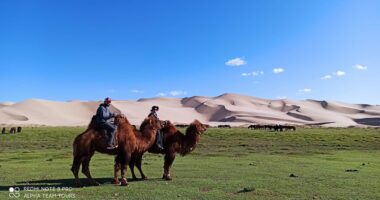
(234, 109)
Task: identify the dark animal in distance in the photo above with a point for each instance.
(224, 126)
(19, 128)
(181, 125)
(272, 127)
(13, 130)
(3, 131)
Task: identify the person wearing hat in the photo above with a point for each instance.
(103, 117)
(159, 140)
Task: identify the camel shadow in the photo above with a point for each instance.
(63, 183)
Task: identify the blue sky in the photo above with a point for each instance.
(87, 50)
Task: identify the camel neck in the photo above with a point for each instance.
(191, 139)
(189, 143)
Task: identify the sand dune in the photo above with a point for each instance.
(233, 109)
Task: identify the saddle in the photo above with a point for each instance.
(104, 134)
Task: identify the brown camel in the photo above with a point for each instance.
(90, 141)
(145, 139)
(174, 142)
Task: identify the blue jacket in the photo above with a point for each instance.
(103, 114)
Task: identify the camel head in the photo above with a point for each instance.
(199, 127)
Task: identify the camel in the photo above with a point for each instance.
(224, 126)
(128, 141)
(174, 142)
(143, 143)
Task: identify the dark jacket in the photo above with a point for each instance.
(103, 114)
(154, 114)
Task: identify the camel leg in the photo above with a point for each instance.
(86, 170)
(124, 181)
(75, 169)
(169, 158)
(116, 174)
(138, 165)
(117, 168)
(132, 167)
(124, 163)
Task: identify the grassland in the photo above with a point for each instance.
(234, 163)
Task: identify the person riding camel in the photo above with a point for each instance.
(103, 117)
(159, 140)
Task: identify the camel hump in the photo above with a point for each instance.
(92, 124)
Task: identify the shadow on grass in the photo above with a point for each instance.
(245, 190)
(62, 183)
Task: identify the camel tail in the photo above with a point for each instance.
(75, 145)
(76, 156)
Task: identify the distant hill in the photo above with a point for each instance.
(233, 109)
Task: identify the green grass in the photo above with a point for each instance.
(227, 164)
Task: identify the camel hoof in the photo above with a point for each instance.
(167, 177)
(144, 178)
(116, 182)
(124, 182)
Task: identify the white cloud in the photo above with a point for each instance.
(327, 77)
(172, 93)
(256, 73)
(236, 62)
(177, 93)
(278, 70)
(137, 91)
(361, 67)
(282, 97)
(339, 73)
(305, 90)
